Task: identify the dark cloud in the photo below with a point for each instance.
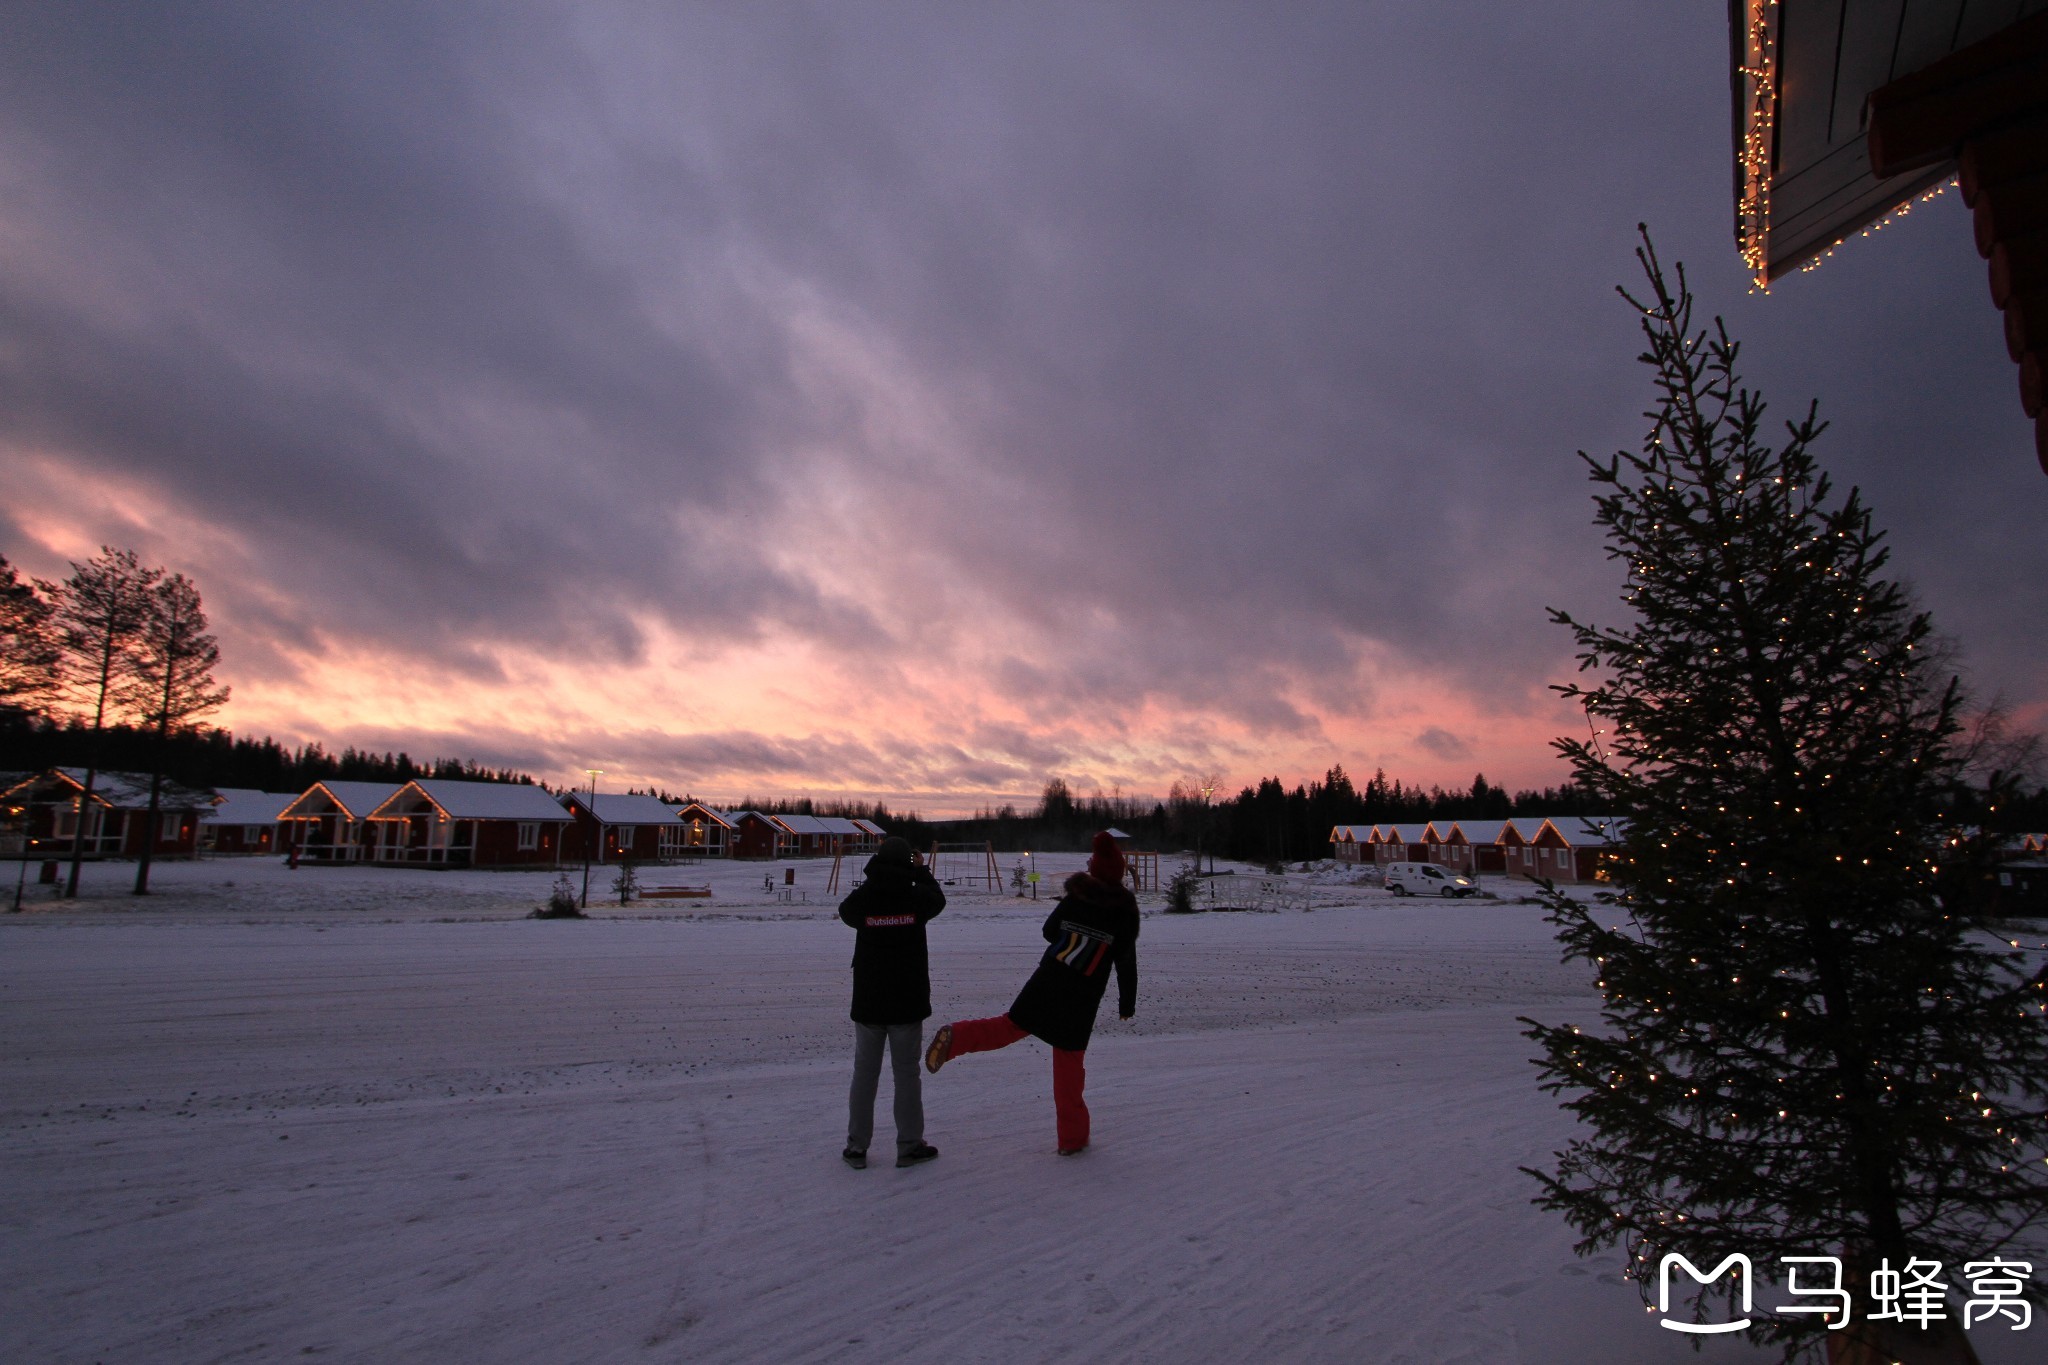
(1166, 355)
(1442, 743)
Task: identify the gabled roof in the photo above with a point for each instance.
(246, 806)
(1587, 831)
(1407, 834)
(487, 800)
(802, 824)
(870, 827)
(698, 810)
(356, 799)
(1526, 827)
(839, 824)
(1439, 831)
(128, 791)
(628, 810)
(1482, 831)
(1351, 834)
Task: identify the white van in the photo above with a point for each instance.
(1427, 879)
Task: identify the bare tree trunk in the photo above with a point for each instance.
(78, 826)
(156, 782)
(92, 772)
(156, 785)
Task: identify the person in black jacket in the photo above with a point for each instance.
(892, 995)
(1094, 925)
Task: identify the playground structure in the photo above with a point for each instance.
(974, 865)
(950, 864)
(971, 864)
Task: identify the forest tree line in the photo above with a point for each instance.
(97, 694)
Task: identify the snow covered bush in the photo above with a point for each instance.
(561, 901)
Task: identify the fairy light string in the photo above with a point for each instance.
(1759, 132)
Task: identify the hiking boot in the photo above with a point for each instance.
(917, 1155)
(855, 1157)
(941, 1050)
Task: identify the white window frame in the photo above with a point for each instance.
(529, 835)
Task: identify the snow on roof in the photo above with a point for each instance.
(1588, 831)
(356, 799)
(1351, 834)
(246, 806)
(839, 824)
(629, 810)
(1407, 834)
(870, 827)
(722, 817)
(491, 800)
(1528, 826)
(1482, 831)
(1115, 833)
(130, 791)
(802, 824)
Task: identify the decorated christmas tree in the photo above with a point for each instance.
(1813, 1039)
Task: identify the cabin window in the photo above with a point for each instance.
(529, 834)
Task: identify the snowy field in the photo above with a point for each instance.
(370, 1115)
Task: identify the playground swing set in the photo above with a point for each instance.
(974, 865)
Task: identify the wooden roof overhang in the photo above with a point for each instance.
(1846, 112)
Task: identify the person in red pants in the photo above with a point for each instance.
(1094, 925)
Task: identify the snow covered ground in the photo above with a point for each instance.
(372, 1115)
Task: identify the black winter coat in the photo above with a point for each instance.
(892, 978)
(1095, 924)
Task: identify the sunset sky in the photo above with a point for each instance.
(919, 401)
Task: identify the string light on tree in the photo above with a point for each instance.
(1788, 763)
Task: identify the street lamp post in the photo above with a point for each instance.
(21, 874)
(597, 832)
(1208, 790)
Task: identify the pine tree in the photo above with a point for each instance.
(28, 653)
(172, 686)
(96, 619)
(1812, 1043)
